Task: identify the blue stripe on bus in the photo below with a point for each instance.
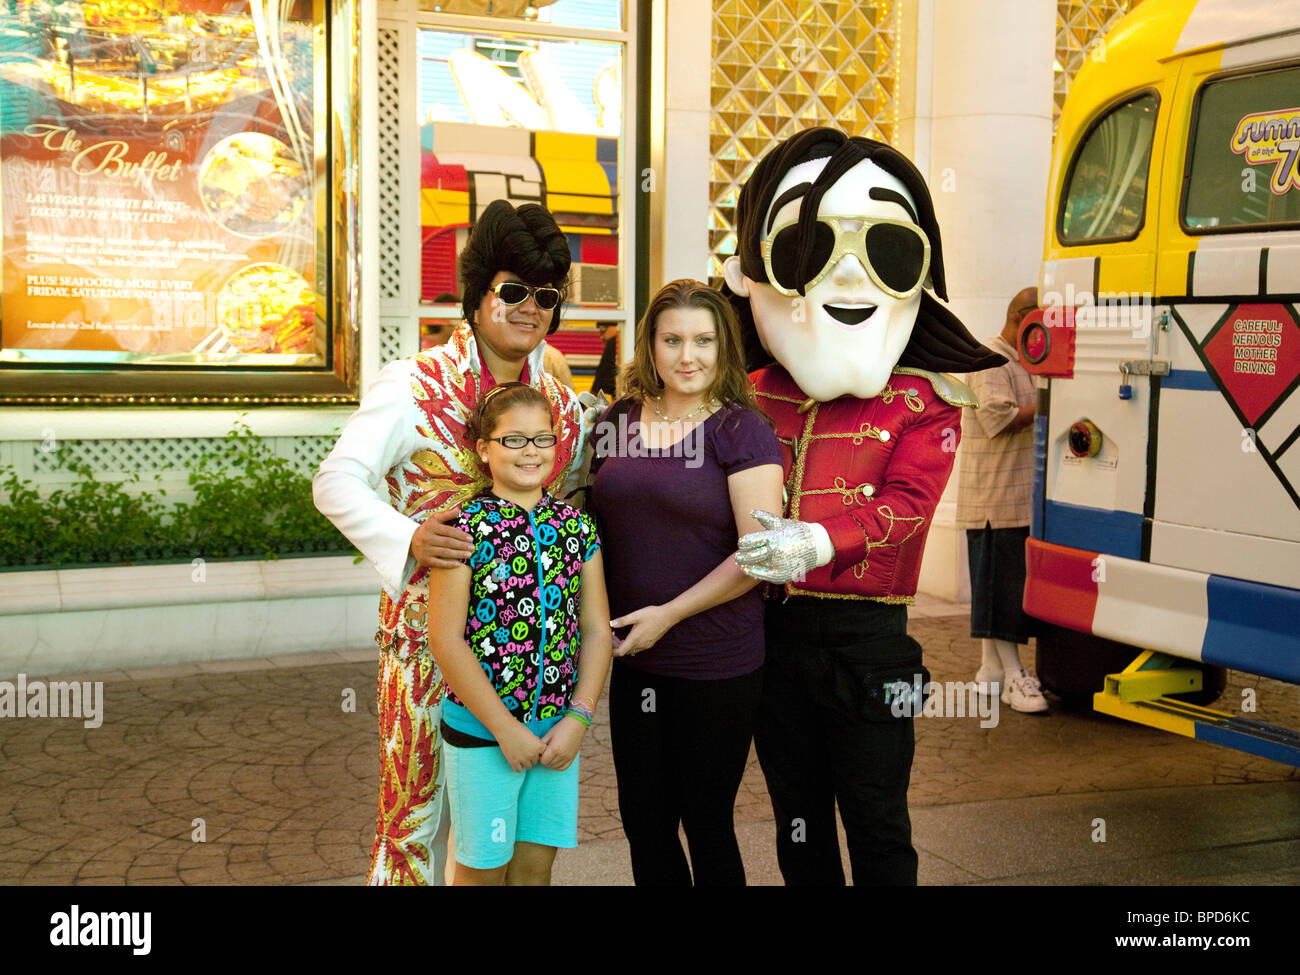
(1252, 627)
(1040, 469)
(1094, 529)
(1188, 379)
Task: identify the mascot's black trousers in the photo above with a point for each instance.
(831, 730)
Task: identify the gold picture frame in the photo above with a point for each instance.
(247, 126)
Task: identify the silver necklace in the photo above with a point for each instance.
(702, 408)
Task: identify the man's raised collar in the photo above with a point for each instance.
(464, 356)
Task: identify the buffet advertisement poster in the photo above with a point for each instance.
(159, 183)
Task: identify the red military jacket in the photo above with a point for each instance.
(870, 471)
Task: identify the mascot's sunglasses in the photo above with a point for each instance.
(516, 293)
(895, 253)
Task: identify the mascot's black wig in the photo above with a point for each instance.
(939, 342)
(525, 241)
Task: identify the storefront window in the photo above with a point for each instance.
(594, 14)
(527, 121)
(166, 187)
(529, 118)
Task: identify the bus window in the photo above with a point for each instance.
(1106, 192)
(1244, 148)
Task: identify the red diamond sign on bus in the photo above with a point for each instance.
(1256, 356)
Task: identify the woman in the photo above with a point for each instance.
(685, 456)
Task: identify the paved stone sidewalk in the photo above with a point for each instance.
(283, 778)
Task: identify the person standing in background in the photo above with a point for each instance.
(606, 378)
(993, 505)
(436, 331)
(555, 364)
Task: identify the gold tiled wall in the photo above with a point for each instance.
(784, 65)
(1079, 24)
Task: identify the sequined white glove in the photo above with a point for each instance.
(593, 408)
(786, 551)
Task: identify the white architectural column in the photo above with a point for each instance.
(680, 212)
(987, 157)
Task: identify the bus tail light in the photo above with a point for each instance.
(1046, 344)
(1084, 439)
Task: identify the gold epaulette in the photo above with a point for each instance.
(951, 390)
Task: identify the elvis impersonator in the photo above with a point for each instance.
(836, 244)
(407, 439)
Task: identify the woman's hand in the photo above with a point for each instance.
(648, 623)
(438, 545)
(521, 747)
(562, 743)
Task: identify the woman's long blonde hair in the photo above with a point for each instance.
(731, 387)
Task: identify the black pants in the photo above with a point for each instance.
(997, 583)
(827, 734)
(680, 748)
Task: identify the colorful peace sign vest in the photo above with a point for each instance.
(523, 608)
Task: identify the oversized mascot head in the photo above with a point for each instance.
(836, 245)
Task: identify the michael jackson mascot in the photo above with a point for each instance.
(836, 246)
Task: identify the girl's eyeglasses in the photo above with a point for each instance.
(517, 441)
(516, 293)
(895, 253)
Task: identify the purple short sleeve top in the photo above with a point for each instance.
(666, 522)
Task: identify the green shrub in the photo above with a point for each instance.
(248, 503)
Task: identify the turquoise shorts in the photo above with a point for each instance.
(493, 806)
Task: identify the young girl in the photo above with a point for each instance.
(520, 694)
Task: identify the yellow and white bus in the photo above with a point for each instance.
(1165, 543)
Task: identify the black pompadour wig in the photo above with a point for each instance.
(939, 341)
(523, 240)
